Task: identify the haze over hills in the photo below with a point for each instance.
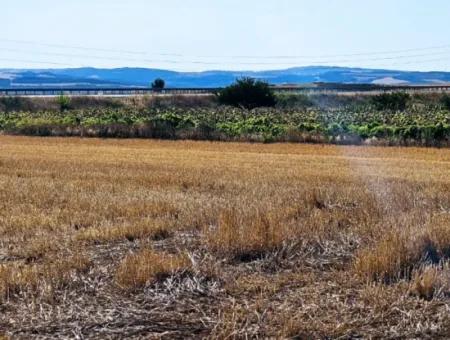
(142, 77)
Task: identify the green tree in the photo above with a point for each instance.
(158, 84)
(248, 93)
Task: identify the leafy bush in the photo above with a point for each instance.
(445, 101)
(396, 101)
(294, 101)
(96, 102)
(248, 93)
(262, 126)
(8, 104)
(63, 102)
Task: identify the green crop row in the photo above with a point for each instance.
(426, 126)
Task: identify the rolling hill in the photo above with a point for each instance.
(94, 77)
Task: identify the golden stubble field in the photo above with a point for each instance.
(138, 238)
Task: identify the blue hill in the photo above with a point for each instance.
(143, 77)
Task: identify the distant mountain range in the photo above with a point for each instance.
(142, 77)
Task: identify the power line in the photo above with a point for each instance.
(64, 46)
(421, 61)
(384, 66)
(171, 61)
(386, 58)
(35, 62)
(28, 42)
(83, 48)
(405, 59)
(335, 55)
(72, 55)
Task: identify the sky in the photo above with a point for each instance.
(195, 35)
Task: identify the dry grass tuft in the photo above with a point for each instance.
(17, 277)
(438, 233)
(431, 282)
(155, 230)
(35, 249)
(388, 260)
(424, 283)
(246, 237)
(401, 251)
(149, 266)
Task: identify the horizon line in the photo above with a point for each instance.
(216, 70)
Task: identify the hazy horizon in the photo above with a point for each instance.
(220, 70)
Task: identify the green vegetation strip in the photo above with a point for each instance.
(416, 125)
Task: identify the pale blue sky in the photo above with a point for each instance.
(226, 34)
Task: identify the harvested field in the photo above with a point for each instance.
(175, 239)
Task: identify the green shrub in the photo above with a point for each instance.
(247, 93)
(9, 104)
(310, 127)
(286, 101)
(445, 101)
(63, 102)
(335, 129)
(363, 131)
(395, 101)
